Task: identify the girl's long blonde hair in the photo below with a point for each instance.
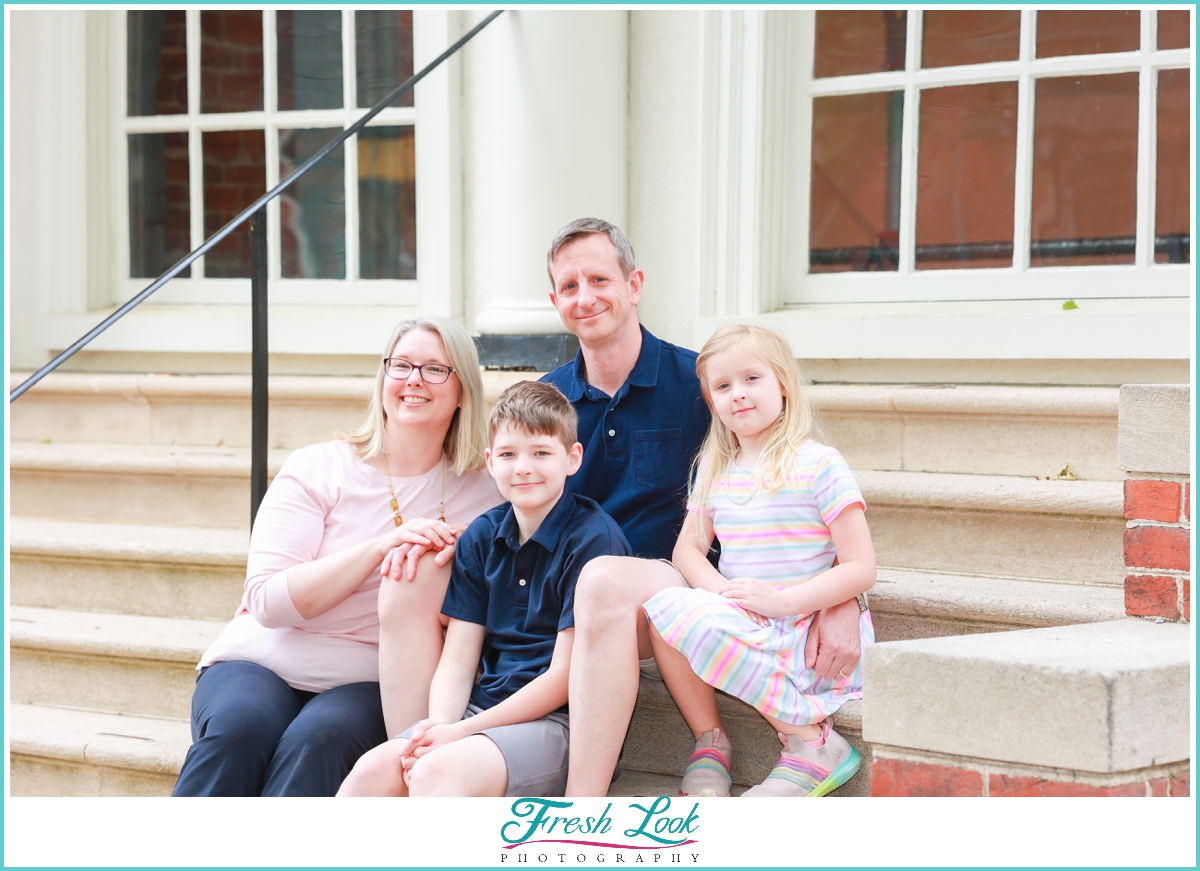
(795, 424)
(466, 438)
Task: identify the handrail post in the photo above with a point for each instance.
(258, 380)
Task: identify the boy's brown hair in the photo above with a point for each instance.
(537, 408)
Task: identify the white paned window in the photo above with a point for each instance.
(989, 154)
(220, 104)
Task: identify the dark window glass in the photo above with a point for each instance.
(159, 205)
(383, 54)
(310, 59)
(966, 176)
(954, 37)
(1087, 32)
(156, 63)
(231, 61)
(855, 213)
(1174, 29)
(312, 212)
(1084, 206)
(1172, 209)
(849, 43)
(387, 203)
(235, 175)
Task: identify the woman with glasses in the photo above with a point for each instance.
(289, 695)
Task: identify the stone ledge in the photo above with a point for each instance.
(30, 536)
(995, 493)
(125, 636)
(146, 744)
(1050, 402)
(1101, 698)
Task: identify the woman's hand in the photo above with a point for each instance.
(412, 541)
(757, 598)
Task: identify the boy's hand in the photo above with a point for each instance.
(427, 736)
(757, 598)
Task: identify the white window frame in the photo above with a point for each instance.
(434, 161)
(1144, 278)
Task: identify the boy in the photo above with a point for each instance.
(510, 603)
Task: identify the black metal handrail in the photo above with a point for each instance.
(258, 280)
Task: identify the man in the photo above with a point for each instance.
(641, 421)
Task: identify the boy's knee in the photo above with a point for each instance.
(406, 600)
(431, 775)
(377, 772)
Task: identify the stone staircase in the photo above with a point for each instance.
(130, 516)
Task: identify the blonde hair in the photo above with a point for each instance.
(795, 424)
(535, 407)
(465, 439)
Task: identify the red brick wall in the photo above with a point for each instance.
(1158, 547)
(905, 777)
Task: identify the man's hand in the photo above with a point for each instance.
(834, 645)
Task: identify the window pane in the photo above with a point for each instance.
(231, 61)
(951, 38)
(312, 211)
(848, 43)
(387, 203)
(1172, 230)
(1062, 33)
(159, 207)
(310, 59)
(1084, 170)
(966, 176)
(1174, 29)
(855, 213)
(156, 63)
(235, 175)
(383, 54)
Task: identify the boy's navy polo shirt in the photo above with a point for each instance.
(524, 595)
(638, 446)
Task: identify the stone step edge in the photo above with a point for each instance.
(149, 744)
(183, 545)
(118, 636)
(983, 400)
(988, 493)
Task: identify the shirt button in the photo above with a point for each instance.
(612, 432)
(521, 582)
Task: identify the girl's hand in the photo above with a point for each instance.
(754, 596)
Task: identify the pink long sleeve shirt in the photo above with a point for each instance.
(324, 500)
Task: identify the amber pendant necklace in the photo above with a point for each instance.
(396, 505)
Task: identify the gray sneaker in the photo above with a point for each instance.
(806, 771)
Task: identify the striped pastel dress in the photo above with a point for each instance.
(780, 538)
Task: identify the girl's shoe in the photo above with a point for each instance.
(807, 771)
(708, 770)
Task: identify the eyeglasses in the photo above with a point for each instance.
(401, 369)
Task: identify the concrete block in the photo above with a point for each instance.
(1103, 697)
(1155, 428)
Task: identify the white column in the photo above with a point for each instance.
(544, 143)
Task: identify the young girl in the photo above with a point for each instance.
(784, 508)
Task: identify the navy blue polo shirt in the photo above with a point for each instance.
(524, 594)
(638, 446)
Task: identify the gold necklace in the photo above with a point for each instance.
(396, 505)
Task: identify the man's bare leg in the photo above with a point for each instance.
(410, 642)
(610, 637)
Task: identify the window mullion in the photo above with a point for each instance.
(350, 149)
(1147, 146)
(909, 145)
(1023, 171)
(195, 145)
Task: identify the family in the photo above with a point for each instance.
(426, 595)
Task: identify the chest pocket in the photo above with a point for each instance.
(659, 458)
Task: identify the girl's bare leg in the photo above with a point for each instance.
(410, 642)
(805, 733)
(697, 700)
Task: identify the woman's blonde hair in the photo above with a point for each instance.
(466, 438)
(795, 424)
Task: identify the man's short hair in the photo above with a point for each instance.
(537, 408)
(582, 227)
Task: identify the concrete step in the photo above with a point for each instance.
(997, 525)
(118, 663)
(60, 752)
(660, 743)
(154, 571)
(979, 430)
(151, 485)
(1025, 431)
(206, 410)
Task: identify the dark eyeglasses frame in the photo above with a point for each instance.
(450, 370)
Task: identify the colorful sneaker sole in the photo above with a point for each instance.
(838, 776)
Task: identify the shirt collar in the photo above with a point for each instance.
(548, 531)
(644, 374)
